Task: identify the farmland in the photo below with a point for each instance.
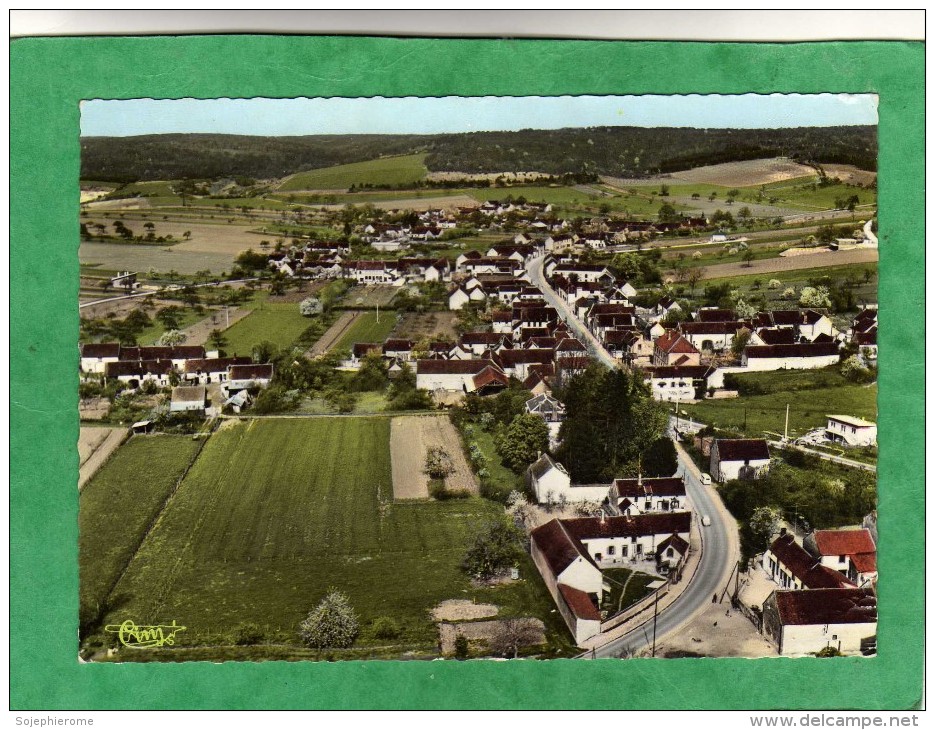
(278, 323)
(117, 506)
(277, 511)
(367, 328)
(811, 395)
(383, 171)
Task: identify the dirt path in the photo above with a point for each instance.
(791, 263)
(95, 445)
(335, 332)
(410, 439)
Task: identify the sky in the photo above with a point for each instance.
(412, 115)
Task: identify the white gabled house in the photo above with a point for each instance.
(851, 431)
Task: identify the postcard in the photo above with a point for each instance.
(482, 380)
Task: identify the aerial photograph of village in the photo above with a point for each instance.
(478, 378)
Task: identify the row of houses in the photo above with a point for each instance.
(821, 592)
(571, 555)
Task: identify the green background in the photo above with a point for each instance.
(49, 76)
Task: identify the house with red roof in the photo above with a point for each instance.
(806, 622)
(792, 567)
(850, 552)
(672, 348)
(739, 459)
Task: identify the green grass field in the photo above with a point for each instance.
(277, 511)
(384, 171)
(366, 328)
(119, 503)
(811, 395)
(151, 334)
(275, 322)
(805, 194)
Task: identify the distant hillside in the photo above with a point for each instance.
(615, 151)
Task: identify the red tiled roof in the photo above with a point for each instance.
(451, 367)
(215, 365)
(827, 606)
(362, 348)
(715, 315)
(397, 345)
(251, 372)
(101, 349)
(803, 350)
(490, 376)
(656, 486)
(579, 602)
(776, 337)
(711, 328)
(742, 449)
(844, 542)
(804, 567)
(137, 367)
(672, 342)
(694, 372)
(654, 523)
(674, 541)
(559, 548)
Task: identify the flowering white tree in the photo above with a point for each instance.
(774, 283)
(172, 338)
(333, 624)
(310, 307)
(816, 296)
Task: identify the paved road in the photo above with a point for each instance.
(595, 348)
(721, 542)
(720, 552)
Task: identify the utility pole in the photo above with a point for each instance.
(785, 432)
(655, 613)
(677, 412)
(378, 312)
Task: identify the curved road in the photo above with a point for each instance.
(720, 540)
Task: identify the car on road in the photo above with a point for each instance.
(706, 479)
(705, 520)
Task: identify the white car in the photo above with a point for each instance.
(705, 520)
(706, 479)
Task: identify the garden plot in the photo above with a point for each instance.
(410, 439)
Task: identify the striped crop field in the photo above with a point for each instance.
(277, 511)
(117, 506)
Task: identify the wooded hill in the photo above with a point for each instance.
(617, 151)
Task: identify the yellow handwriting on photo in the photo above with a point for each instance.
(145, 637)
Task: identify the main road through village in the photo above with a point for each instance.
(720, 540)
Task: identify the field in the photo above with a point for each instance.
(384, 171)
(437, 325)
(746, 173)
(95, 445)
(371, 296)
(277, 511)
(366, 328)
(794, 267)
(410, 439)
(811, 395)
(280, 324)
(118, 505)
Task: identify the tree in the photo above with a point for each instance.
(611, 418)
(764, 523)
(664, 191)
(817, 296)
(513, 634)
(185, 190)
(264, 352)
(660, 459)
(438, 463)
(172, 338)
(170, 317)
(667, 213)
(461, 647)
(748, 257)
(333, 624)
(693, 276)
(217, 339)
(187, 235)
(310, 307)
(524, 440)
(494, 550)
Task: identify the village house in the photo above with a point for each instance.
(643, 495)
(248, 377)
(666, 305)
(712, 336)
(678, 383)
(211, 370)
(851, 431)
(94, 356)
(459, 376)
(851, 552)
(807, 323)
(135, 373)
(188, 399)
(806, 356)
(790, 566)
(673, 349)
(806, 622)
(744, 459)
(372, 272)
(480, 344)
(570, 554)
(552, 412)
